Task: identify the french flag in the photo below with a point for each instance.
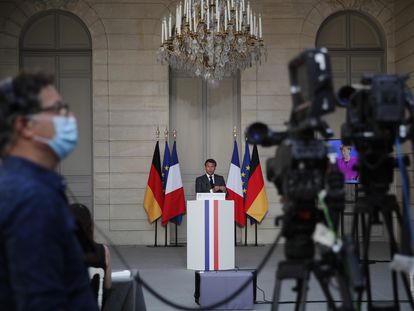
(235, 188)
(174, 202)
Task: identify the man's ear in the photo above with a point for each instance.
(23, 127)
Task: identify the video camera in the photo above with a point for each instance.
(304, 167)
(376, 120)
(311, 88)
(299, 169)
(376, 116)
(376, 109)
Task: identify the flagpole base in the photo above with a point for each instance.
(177, 245)
(250, 245)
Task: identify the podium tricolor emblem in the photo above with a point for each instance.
(210, 235)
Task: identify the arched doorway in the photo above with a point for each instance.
(58, 42)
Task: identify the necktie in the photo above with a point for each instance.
(211, 181)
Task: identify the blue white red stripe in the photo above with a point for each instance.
(216, 237)
(211, 235)
(210, 230)
(207, 235)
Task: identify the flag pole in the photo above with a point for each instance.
(235, 223)
(165, 238)
(176, 234)
(176, 218)
(245, 232)
(256, 195)
(166, 226)
(176, 225)
(153, 198)
(255, 233)
(245, 223)
(157, 135)
(244, 193)
(155, 242)
(235, 234)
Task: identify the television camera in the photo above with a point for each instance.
(302, 168)
(376, 121)
(376, 117)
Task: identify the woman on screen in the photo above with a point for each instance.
(347, 164)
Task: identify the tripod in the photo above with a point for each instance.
(300, 270)
(300, 264)
(368, 209)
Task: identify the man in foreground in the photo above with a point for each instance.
(41, 266)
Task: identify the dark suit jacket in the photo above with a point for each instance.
(203, 183)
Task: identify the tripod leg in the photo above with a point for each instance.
(276, 294)
(323, 283)
(366, 232)
(355, 235)
(302, 286)
(346, 293)
(355, 232)
(393, 249)
(407, 289)
(387, 216)
(403, 275)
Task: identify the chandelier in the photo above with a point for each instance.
(212, 39)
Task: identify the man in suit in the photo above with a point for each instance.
(210, 182)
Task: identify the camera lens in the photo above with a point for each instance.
(257, 133)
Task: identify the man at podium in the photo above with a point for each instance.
(210, 182)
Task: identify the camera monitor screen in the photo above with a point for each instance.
(347, 159)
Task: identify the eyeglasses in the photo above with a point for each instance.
(57, 108)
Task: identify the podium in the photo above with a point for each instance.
(210, 234)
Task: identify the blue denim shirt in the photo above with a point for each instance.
(41, 266)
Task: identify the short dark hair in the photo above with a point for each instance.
(19, 96)
(84, 233)
(84, 225)
(210, 161)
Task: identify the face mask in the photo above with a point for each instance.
(66, 136)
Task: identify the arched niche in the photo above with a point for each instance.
(58, 42)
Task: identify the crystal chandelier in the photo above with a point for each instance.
(212, 39)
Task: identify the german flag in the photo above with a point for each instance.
(256, 199)
(154, 195)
